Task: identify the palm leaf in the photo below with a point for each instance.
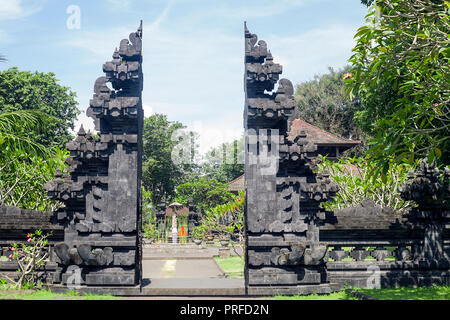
(18, 127)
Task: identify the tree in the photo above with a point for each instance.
(26, 165)
(23, 90)
(401, 74)
(225, 163)
(160, 174)
(323, 103)
(205, 193)
(23, 175)
(367, 3)
(18, 129)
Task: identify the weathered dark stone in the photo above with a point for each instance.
(62, 251)
(74, 256)
(283, 192)
(101, 188)
(430, 189)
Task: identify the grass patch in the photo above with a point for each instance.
(409, 293)
(403, 293)
(340, 295)
(232, 266)
(47, 294)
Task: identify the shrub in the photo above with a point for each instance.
(30, 257)
(353, 176)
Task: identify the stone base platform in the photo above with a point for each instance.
(206, 287)
(325, 288)
(169, 287)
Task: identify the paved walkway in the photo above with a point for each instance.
(182, 268)
(186, 270)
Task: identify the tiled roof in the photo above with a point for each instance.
(237, 184)
(317, 135)
(169, 210)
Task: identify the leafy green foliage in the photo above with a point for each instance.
(353, 176)
(160, 174)
(148, 216)
(23, 90)
(401, 74)
(205, 193)
(23, 175)
(367, 2)
(26, 164)
(225, 163)
(200, 232)
(323, 103)
(18, 129)
(227, 219)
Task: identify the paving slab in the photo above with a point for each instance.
(170, 287)
(177, 271)
(183, 268)
(195, 287)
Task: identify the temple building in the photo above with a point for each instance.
(327, 143)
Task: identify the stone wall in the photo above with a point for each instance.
(15, 224)
(370, 246)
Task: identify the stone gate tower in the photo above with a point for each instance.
(284, 255)
(101, 187)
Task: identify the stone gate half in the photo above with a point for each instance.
(283, 216)
(101, 187)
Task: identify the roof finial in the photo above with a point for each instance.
(81, 132)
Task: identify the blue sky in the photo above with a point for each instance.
(193, 49)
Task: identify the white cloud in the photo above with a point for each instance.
(213, 133)
(100, 44)
(17, 9)
(148, 109)
(191, 80)
(83, 119)
(198, 75)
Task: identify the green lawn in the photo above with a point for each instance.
(232, 266)
(341, 295)
(33, 292)
(409, 293)
(46, 294)
(403, 293)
